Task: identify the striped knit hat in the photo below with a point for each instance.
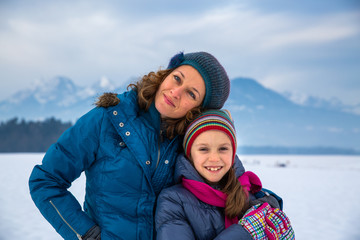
(210, 120)
(217, 83)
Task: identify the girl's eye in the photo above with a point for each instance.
(224, 148)
(203, 149)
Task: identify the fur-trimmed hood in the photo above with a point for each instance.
(107, 100)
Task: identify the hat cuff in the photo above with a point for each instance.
(225, 130)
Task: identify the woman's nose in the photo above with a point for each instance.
(176, 92)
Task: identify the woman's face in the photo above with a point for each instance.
(212, 155)
(182, 90)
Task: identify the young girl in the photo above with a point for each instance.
(127, 147)
(215, 191)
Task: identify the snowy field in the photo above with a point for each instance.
(321, 195)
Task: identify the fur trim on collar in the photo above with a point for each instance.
(107, 100)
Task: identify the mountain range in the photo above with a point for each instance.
(265, 117)
(262, 116)
(58, 97)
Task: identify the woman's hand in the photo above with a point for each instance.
(94, 233)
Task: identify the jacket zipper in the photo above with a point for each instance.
(77, 234)
(160, 139)
(158, 158)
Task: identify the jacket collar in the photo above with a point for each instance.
(129, 101)
(152, 116)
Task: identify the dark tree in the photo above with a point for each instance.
(30, 136)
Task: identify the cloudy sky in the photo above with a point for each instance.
(304, 47)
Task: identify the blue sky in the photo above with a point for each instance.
(304, 47)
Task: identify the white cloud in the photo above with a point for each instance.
(85, 41)
(317, 31)
(102, 33)
(335, 130)
(309, 128)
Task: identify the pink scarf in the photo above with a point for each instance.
(249, 180)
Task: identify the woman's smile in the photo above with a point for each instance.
(169, 101)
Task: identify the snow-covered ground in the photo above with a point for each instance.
(321, 195)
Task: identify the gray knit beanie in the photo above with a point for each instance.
(217, 82)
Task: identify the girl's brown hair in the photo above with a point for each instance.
(237, 201)
(147, 87)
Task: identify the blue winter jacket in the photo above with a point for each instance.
(181, 215)
(126, 166)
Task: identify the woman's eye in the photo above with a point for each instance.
(192, 95)
(177, 78)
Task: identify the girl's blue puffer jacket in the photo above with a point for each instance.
(126, 166)
(180, 215)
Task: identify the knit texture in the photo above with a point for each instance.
(266, 223)
(216, 80)
(214, 197)
(210, 120)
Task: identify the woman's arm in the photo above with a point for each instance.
(63, 163)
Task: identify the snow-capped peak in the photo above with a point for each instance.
(332, 103)
(103, 84)
(60, 89)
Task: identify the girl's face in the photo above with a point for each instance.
(211, 154)
(182, 90)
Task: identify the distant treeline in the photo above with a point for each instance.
(30, 136)
(296, 150)
(36, 136)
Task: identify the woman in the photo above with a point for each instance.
(127, 151)
(214, 192)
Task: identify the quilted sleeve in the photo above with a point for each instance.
(62, 164)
